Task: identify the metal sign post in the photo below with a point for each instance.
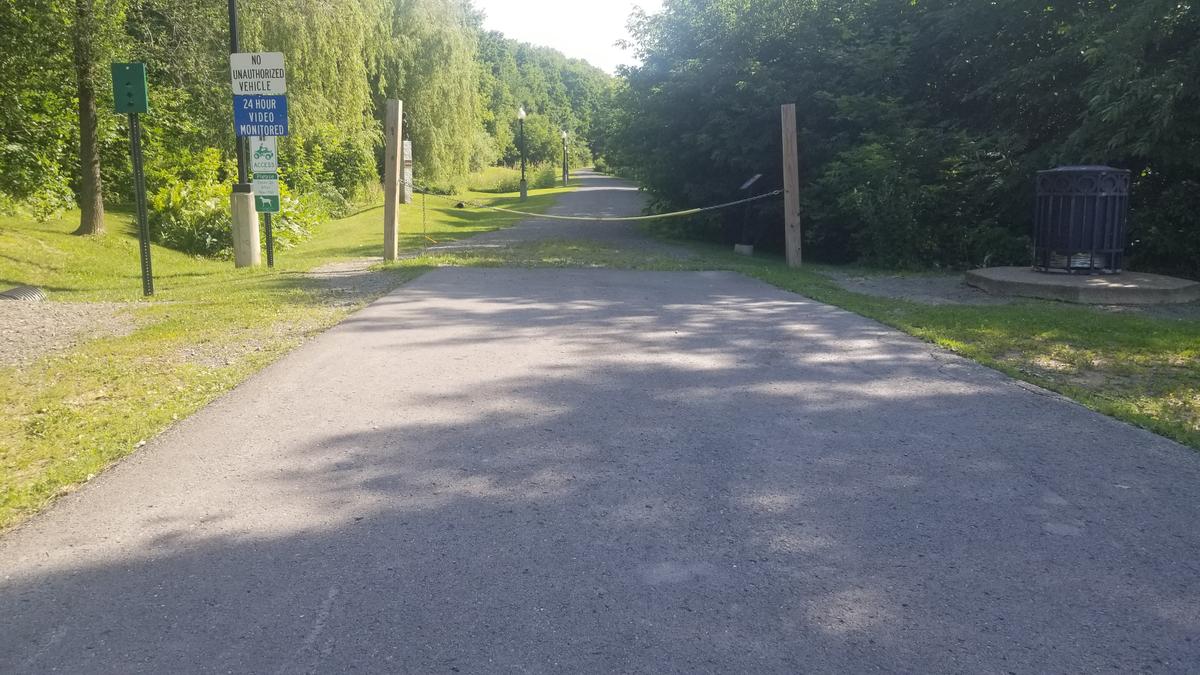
(566, 167)
(264, 165)
(131, 96)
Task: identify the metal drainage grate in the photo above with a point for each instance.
(27, 293)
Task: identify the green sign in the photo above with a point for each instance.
(130, 94)
(266, 192)
(266, 203)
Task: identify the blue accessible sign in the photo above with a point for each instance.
(260, 115)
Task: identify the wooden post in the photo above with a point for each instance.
(791, 187)
(391, 179)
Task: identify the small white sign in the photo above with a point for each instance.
(265, 184)
(258, 74)
(264, 154)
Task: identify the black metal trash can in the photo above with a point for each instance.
(1079, 225)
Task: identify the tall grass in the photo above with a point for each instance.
(503, 179)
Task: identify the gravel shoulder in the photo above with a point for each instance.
(31, 330)
(927, 289)
(951, 289)
(349, 282)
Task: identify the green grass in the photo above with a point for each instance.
(1136, 367)
(69, 415)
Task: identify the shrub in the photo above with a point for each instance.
(41, 205)
(445, 188)
(170, 165)
(546, 176)
(297, 218)
(495, 179)
(33, 181)
(329, 200)
(921, 198)
(484, 151)
(192, 216)
(350, 165)
(325, 158)
(1164, 235)
(503, 179)
(508, 183)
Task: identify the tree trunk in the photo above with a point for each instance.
(91, 198)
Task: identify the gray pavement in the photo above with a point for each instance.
(597, 195)
(594, 471)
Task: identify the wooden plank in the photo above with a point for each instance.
(391, 180)
(791, 187)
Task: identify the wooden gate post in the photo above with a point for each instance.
(391, 179)
(791, 187)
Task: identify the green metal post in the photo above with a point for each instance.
(139, 184)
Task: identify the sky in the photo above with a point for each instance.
(582, 29)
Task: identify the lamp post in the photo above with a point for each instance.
(566, 168)
(243, 182)
(241, 201)
(524, 183)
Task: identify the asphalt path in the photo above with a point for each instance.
(598, 471)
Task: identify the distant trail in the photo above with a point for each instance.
(599, 195)
(599, 471)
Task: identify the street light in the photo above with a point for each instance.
(566, 169)
(524, 183)
(244, 218)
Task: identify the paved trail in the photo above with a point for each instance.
(558, 471)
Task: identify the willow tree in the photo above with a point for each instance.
(426, 57)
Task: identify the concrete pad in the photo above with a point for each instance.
(1127, 288)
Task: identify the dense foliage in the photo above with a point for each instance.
(461, 89)
(922, 123)
(560, 94)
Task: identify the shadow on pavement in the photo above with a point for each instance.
(619, 472)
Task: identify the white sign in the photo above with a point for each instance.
(264, 155)
(258, 74)
(265, 184)
(266, 192)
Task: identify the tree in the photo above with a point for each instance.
(569, 93)
(92, 21)
(36, 98)
(543, 140)
(922, 123)
(460, 87)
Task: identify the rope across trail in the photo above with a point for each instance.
(611, 219)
